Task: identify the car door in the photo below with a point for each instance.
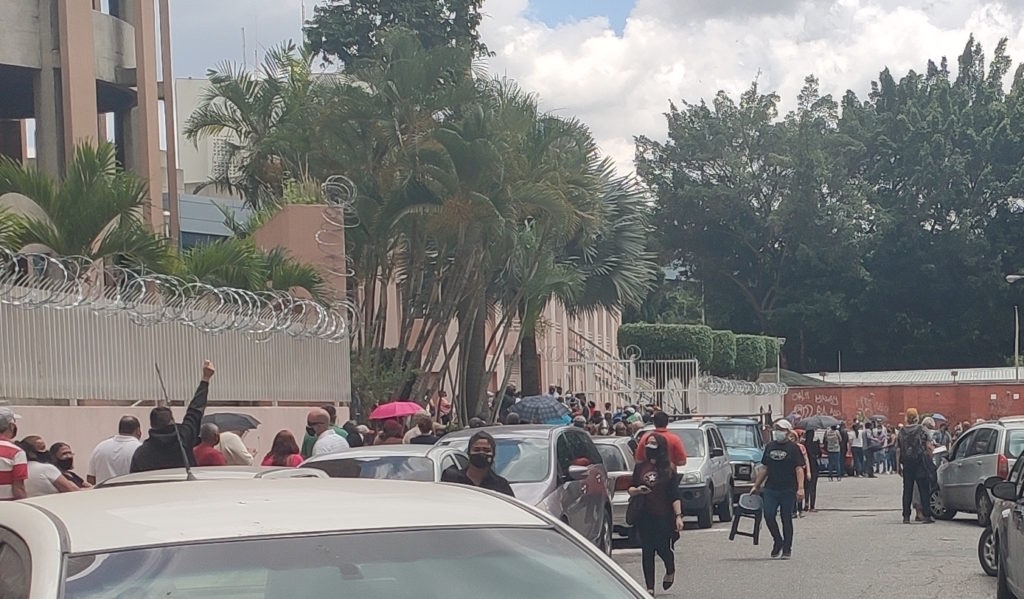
(569, 492)
(594, 488)
(979, 464)
(952, 479)
(1014, 544)
(718, 462)
(15, 564)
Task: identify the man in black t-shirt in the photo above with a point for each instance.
(782, 479)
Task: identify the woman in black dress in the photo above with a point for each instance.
(659, 519)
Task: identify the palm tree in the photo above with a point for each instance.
(95, 211)
(239, 264)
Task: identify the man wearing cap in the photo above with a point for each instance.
(13, 461)
(783, 480)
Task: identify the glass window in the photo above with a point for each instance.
(983, 438)
(736, 435)
(1014, 443)
(461, 460)
(693, 440)
(398, 565)
(520, 460)
(966, 441)
(389, 467)
(612, 458)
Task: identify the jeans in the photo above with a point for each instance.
(869, 462)
(835, 465)
(915, 474)
(890, 459)
(811, 490)
(774, 501)
(858, 461)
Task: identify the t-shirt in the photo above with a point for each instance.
(676, 451)
(113, 457)
(664, 490)
(293, 461)
(41, 478)
(782, 460)
(309, 441)
(208, 456)
(492, 481)
(832, 441)
(856, 438)
(13, 467)
(330, 442)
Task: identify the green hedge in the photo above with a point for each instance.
(668, 341)
(723, 357)
(750, 356)
(771, 352)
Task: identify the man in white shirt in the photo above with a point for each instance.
(113, 457)
(318, 424)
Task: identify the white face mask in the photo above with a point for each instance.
(779, 436)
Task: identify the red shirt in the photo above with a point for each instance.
(676, 451)
(208, 456)
(13, 468)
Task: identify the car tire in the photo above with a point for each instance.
(605, 543)
(1002, 589)
(939, 511)
(988, 553)
(725, 508)
(983, 503)
(707, 513)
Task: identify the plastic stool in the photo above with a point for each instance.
(749, 506)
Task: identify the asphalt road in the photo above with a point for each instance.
(855, 546)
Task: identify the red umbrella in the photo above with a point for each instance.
(395, 409)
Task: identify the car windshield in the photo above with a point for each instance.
(499, 563)
(1014, 443)
(389, 467)
(517, 460)
(693, 440)
(611, 456)
(738, 435)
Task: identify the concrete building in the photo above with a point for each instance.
(73, 66)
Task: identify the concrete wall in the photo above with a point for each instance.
(84, 427)
(709, 403)
(956, 402)
(19, 33)
(115, 49)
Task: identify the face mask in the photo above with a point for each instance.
(779, 436)
(310, 431)
(481, 460)
(66, 463)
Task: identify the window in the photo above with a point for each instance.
(563, 454)
(983, 439)
(447, 463)
(612, 458)
(717, 438)
(966, 441)
(15, 566)
(461, 460)
(1014, 443)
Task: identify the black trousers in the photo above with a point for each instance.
(915, 473)
(656, 534)
(811, 490)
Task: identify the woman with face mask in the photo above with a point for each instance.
(480, 471)
(659, 519)
(43, 477)
(64, 459)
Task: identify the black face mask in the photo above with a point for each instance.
(655, 453)
(310, 431)
(481, 460)
(65, 464)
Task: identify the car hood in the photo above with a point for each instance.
(746, 454)
(693, 464)
(531, 493)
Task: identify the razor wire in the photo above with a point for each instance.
(719, 386)
(32, 281)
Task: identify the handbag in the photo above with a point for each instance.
(633, 509)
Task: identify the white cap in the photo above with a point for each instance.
(784, 424)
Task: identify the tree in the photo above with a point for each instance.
(95, 211)
(349, 30)
(239, 264)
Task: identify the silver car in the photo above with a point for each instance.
(617, 453)
(988, 449)
(556, 468)
(174, 475)
(707, 481)
(394, 462)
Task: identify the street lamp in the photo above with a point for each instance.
(1011, 279)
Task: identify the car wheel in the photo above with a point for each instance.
(725, 508)
(707, 513)
(606, 534)
(984, 506)
(1002, 588)
(988, 554)
(939, 511)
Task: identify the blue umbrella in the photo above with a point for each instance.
(540, 409)
(939, 418)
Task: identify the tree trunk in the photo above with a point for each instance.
(473, 354)
(529, 365)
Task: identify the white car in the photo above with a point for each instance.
(295, 538)
(394, 462)
(172, 475)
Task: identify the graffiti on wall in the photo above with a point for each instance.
(808, 403)
(868, 406)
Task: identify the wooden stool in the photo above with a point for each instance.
(757, 515)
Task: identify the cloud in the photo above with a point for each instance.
(689, 49)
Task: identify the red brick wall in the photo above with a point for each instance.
(956, 402)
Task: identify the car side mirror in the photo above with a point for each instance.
(992, 481)
(1005, 491)
(578, 472)
(717, 452)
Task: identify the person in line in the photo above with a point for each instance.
(792, 437)
(813, 451)
(320, 427)
(13, 459)
(660, 514)
(391, 433)
(844, 449)
(284, 451)
(480, 471)
(477, 422)
(782, 479)
(354, 438)
(43, 477)
(309, 440)
(676, 451)
(913, 449)
(113, 457)
(443, 408)
(163, 448)
(206, 453)
(414, 430)
(64, 459)
(871, 446)
(833, 445)
(234, 449)
(942, 436)
(857, 448)
(512, 419)
(425, 431)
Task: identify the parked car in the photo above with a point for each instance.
(178, 475)
(396, 462)
(707, 481)
(987, 449)
(617, 454)
(556, 468)
(745, 445)
(988, 543)
(279, 539)
(1009, 534)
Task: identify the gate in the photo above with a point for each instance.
(670, 384)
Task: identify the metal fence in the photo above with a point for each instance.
(78, 354)
(666, 383)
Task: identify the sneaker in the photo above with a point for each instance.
(906, 519)
(927, 521)
(788, 553)
(776, 550)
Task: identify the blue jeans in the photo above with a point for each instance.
(835, 465)
(858, 461)
(773, 502)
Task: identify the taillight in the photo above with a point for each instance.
(1003, 467)
(623, 483)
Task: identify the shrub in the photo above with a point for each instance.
(750, 356)
(771, 352)
(723, 356)
(669, 341)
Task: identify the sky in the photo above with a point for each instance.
(616, 64)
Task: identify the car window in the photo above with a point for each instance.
(983, 438)
(387, 467)
(15, 566)
(719, 442)
(563, 454)
(693, 440)
(612, 458)
(499, 563)
(1014, 443)
(1015, 474)
(737, 435)
(447, 463)
(961, 446)
(581, 449)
